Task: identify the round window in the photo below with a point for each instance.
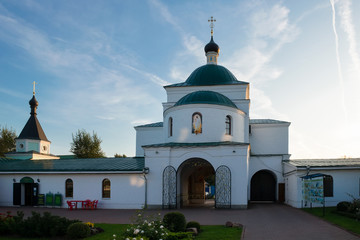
(21, 145)
(44, 147)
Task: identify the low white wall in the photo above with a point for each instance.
(127, 190)
(346, 184)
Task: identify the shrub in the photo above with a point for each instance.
(78, 230)
(6, 221)
(39, 226)
(343, 206)
(193, 224)
(180, 235)
(146, 227)
(175, 221)
(354, 206)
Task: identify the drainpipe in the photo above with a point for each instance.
(145, 171)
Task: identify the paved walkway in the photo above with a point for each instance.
(261, 221)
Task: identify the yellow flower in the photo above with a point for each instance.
(91, 225)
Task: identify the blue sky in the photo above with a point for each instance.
(101, 65)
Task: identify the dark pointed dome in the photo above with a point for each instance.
(212, 46)
(33, 104)
(33, 129)
(205, 97)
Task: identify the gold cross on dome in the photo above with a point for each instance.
(212, 20)
(34, 87)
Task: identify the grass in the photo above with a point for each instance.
(208, 232)
(347, 223)
(219, 232)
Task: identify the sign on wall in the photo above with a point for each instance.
(313, 189)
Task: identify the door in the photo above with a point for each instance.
(263, 186)
(34, 194)
(17, 194)
(281, 192)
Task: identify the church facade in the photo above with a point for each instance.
(207, 151)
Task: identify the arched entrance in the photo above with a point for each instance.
(196, 183)
(25, 193)
(263, 186)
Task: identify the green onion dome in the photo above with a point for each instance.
(211, 74)
(205, 97)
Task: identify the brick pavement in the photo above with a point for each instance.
(261, 221)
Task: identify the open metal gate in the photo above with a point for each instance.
(223, 187)
(169, 187)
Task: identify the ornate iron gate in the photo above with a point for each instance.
(169, 187)
(223, 187)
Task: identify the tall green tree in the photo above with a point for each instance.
(86, 146)
(7, 140)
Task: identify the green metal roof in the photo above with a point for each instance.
(266, 121)
(198, 144)
(339, 162)
(73, 165)
(157, 124)
(207, 75)
(205, 97)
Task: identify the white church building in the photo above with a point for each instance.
(206, 152)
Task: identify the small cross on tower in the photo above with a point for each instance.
(212, 20)
(34, 87)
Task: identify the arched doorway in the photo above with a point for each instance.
(263, 186)
(25, 193)
(196, 183)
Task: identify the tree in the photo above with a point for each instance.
(7, 140)
(86, 146)
(119, 155)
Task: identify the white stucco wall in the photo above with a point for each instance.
(213, 123)
(146, 136)
(272, 164)
(269, 138)
(127, 190)
(234, 157)
(346, 183)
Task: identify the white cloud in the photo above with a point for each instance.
(270, 30)
(270, 23)
(193, 46)
(12, 93)
(348, 26)
(92, 86)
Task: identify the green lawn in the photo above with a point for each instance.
(208, 232)
(219, 232)
(345, 222)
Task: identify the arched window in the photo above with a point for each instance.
(196, 123)
(228, 125)
(328, 186)
(170, 127)
(69, 188)
(106, 188)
